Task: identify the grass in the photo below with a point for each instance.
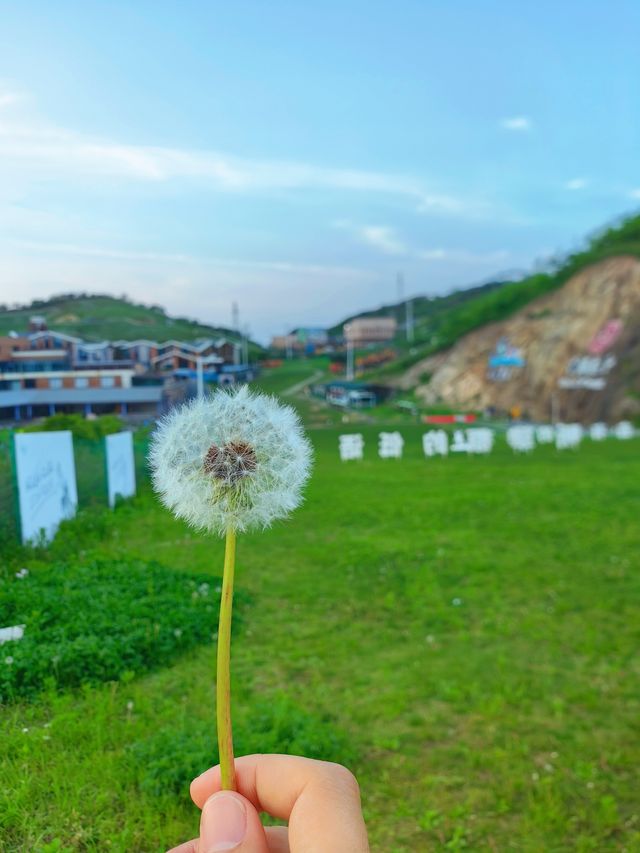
(468, 625)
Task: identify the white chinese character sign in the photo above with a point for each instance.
(521, 438)
(598, 432)
(568, 436)
(351, 446)
(435, 443)
(459, 443)
(623, 430)
(46, 480)
(390, 445)
(545, 434)
(121, 472)
(480, 440)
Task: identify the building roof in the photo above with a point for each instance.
(79, 396)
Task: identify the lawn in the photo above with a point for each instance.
(462, 631)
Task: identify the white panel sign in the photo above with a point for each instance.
(435, 443)
(623, 430)
(46, 475)
(568, 435)
(351, 446)
(390, 445)
(480, 439)
(521, 438)
(598, 432)
(545, 434)
(121, 472)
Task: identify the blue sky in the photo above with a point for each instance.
(293, 157)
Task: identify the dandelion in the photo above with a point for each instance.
(8, 660)
(456, 602)
(227, 463)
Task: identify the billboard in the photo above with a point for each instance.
(121, 472)
(503, 360)
(46, 480)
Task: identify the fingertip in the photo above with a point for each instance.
(204, 785)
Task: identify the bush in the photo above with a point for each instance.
(80, 426)
(169, 760)
(98, 622)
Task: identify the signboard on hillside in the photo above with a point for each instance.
(121, 472)
(46, 481)
(503, 360)
(591, 371)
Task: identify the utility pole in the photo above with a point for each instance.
(409, 319)
(235, 317)
(245, 345)
(349, 372)
(400, 296)
(200, 377)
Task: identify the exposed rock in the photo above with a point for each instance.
(576, 350)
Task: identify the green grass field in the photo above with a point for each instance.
(467, 627)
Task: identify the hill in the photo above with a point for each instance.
(571, 355)
(99, 317)
(441, 321)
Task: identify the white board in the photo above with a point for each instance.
(46, 479)
(121, 471)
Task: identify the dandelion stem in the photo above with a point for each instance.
(223, 678)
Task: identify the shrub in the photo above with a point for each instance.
(91, 623)
(80, 426)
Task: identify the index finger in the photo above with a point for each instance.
(320, 800)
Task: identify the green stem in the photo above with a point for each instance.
(223, 678)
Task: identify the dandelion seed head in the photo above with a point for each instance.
(232, 459)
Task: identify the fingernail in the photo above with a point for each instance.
(223, 825)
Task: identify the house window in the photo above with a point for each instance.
(82, 382)
(107, 381)
(56, 382)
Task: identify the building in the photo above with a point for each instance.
(43, 372)
(370, 330)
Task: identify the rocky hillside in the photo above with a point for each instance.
(573, 354)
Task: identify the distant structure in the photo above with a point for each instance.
(309, 340)
(370, 330)
(43, 372)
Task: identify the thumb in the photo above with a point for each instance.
(229, 822)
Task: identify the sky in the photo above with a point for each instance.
(295, 157)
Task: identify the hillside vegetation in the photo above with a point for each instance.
(98, 318)
(441, 321)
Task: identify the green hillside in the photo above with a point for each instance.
(97, 318)
(440, 321)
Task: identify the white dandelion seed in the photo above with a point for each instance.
(231, 460)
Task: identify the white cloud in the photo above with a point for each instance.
(190, 260)
(463, 256)
(32, 150)
(381, 237)
(386, 239)
(576, 184)
(635, 193)
(7, 99)
(517, 123)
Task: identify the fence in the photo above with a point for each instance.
(91, 478)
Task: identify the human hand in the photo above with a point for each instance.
(321, 802)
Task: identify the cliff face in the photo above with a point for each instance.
(576, 351)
